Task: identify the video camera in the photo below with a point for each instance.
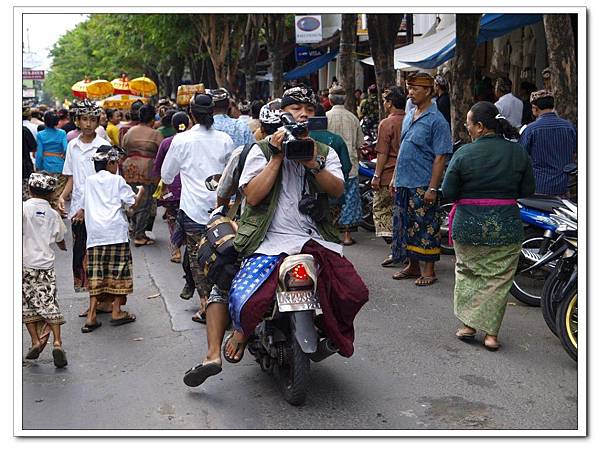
(294, 146)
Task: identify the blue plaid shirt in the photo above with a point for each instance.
(236, 129)
(421, 141)
(551, 142)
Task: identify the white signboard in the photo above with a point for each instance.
(309, 29)
(28, 93)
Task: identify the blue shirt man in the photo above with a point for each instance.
(51, 150)
(238, 130)
(551, 142)
(424, 143)
(421, 141)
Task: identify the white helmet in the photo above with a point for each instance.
(271, 112)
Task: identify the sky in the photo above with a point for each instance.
(44, 32)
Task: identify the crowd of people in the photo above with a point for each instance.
(116, 172)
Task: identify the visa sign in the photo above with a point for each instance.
(307, 54)
(309, 29)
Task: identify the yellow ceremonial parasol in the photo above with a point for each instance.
(79, 89)
(121, 101)
(99, 89)
(121, 85)
(143, 86)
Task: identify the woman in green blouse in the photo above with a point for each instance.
(484, 179)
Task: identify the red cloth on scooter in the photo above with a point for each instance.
(341, 292)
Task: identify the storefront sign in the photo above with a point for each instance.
(28, 93)
(33, 74)
(309, 29)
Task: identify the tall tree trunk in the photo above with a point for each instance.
(348, 59)
(561, 58)
(250, 53)
(383, 29)
(462, 73)
(275, 34)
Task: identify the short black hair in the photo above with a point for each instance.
(147, 113)
(544, 103)
(110, 113)
(50, 119)
(100, 165)
(41, 193)
(396, 96)
(255, 107)
(166, 120)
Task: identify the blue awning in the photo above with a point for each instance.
(310, 67)
(491, 26)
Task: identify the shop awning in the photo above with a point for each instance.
(310, 67)
(432, 51)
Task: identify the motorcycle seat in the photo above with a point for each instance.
(546, 203)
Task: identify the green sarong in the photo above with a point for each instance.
(484, 275)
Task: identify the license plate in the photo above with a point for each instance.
(297, 301)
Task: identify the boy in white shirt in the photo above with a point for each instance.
(106, 200)
(42, 226)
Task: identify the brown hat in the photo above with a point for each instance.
(540, 94)
(420, 79)
(337, 90)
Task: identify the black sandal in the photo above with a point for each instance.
(199, 373)
(89, 328)
(240, 345)
(123, 320)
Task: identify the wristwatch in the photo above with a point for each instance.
(321, 165)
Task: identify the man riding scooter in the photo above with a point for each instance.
(287, 213)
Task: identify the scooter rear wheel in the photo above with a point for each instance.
(567, 322)
(294, 375)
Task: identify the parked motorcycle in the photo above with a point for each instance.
(366, 170)
(287, 339)
(538, 213)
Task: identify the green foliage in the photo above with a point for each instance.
(106, 45)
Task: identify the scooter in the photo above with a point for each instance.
(538, 213)
(366, 170)
(287, 339)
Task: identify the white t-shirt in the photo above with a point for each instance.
(197, 154)
(290, 229)
(42, 226)
(79, 164)
(512, 108)
(105, 198)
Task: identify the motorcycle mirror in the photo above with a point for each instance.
(212, 182)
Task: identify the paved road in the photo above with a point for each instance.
(408, 370)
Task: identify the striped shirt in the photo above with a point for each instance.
(551, 142)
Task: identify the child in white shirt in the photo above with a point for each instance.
(42, 226)
(106, 199)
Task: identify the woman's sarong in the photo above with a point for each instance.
(80, 261)
(416, 226)
(39, 297)
(340, 290)
(109, 269)
(351, 213)
(484, 275)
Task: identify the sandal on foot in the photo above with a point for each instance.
(199, 317)
(465, 335)
(140, 242)
(128, 318)
(404, 275)
(34, 352)
(88, 328)
(60, 357)
(426, 281)
(389, 262)
(238, 346)
(199, 373)
(491, 347)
